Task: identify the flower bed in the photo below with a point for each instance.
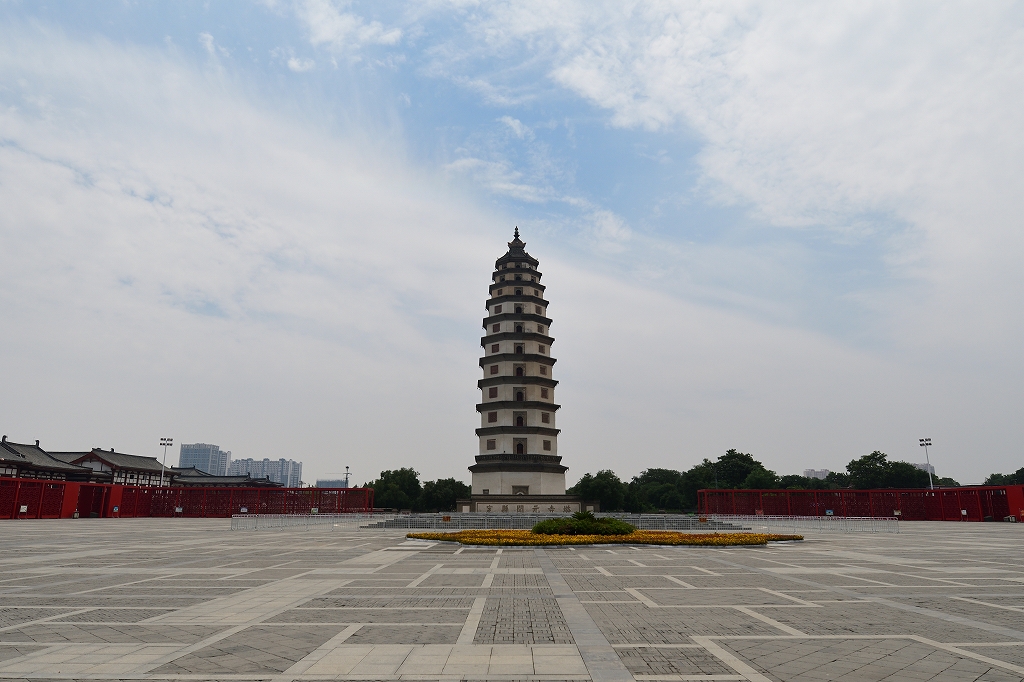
(638, 537)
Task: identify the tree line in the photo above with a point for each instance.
(670, 490)
(401, 489)
(667, 490)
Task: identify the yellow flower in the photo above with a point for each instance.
(639, 537)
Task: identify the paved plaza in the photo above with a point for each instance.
(166, 599)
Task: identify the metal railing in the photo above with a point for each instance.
(686, 523)
(820, 524)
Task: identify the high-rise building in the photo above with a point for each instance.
(816, 473)
(285, 471)
(205, 457)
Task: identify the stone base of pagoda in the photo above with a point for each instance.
(526, 504)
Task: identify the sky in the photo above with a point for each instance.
(791, 229)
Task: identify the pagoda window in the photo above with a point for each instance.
(494, 369)
(545, 417)
(519, 278)
(495, 347)
(520, 395)
(519, 292)
(520, 372)
(495, 329)
(519, 329)
(502, 278)
(540, 329)
(543, 393)
(497, 309)
(497, 292)
(541, 349)
(544, 370)
(519, 308)
(492, 444)
(492, 417)
(520, 419)
(536, 309)
(536, 293)
(492, 392)
(547, 445)
(533, 279)
(519, 348)
(521, 449)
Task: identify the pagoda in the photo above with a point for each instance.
(518, 469)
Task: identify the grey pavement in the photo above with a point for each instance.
(184, 599)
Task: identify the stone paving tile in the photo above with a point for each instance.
(860, 659)
(637, 624)
(253, 650)
(406, 634)
(876, 619)
(112, 616)
(9, 652)
(659, 661)
(351, 615)
(390, 603)
(98, 633)
(522, 620)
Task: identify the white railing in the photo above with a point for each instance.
(306, 521)
(820, 524)
(687, 523)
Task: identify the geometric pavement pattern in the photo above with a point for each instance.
(188, 599)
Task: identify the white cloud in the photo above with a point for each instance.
(178, 261)
(893, 125)
(300, 65)
(516, 126)
(342, 31)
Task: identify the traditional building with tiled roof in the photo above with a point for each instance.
(20, 460)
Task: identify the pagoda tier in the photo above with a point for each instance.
(518, 435)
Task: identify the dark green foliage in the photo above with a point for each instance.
(876, 471)
(401, 489)
(733, 468)
(1016, 478)
(797, 482)
(760, 478)
(603, 486)
(583, 523)
(946, 481)
(440, 495)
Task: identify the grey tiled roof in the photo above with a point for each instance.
(24, 455)
(117, 460)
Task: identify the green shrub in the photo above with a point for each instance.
(583, 523)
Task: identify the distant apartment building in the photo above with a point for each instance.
(205, 457)
(816, 473)
(926, 467)
(285, 471)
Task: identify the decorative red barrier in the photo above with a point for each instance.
(25, 498)
(976, 503)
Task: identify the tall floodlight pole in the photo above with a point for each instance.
(166, 442)
(925, 442)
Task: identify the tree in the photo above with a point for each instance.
(733, 468)
(396, 489)
(876, 471)
(1016, 478)
(440, 495)
(604, 486)
(760, 478)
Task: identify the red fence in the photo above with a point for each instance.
(979, 503)
(23, 498)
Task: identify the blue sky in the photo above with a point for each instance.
(794, 230)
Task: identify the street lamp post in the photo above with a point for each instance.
(166, 442)
(925, 442)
